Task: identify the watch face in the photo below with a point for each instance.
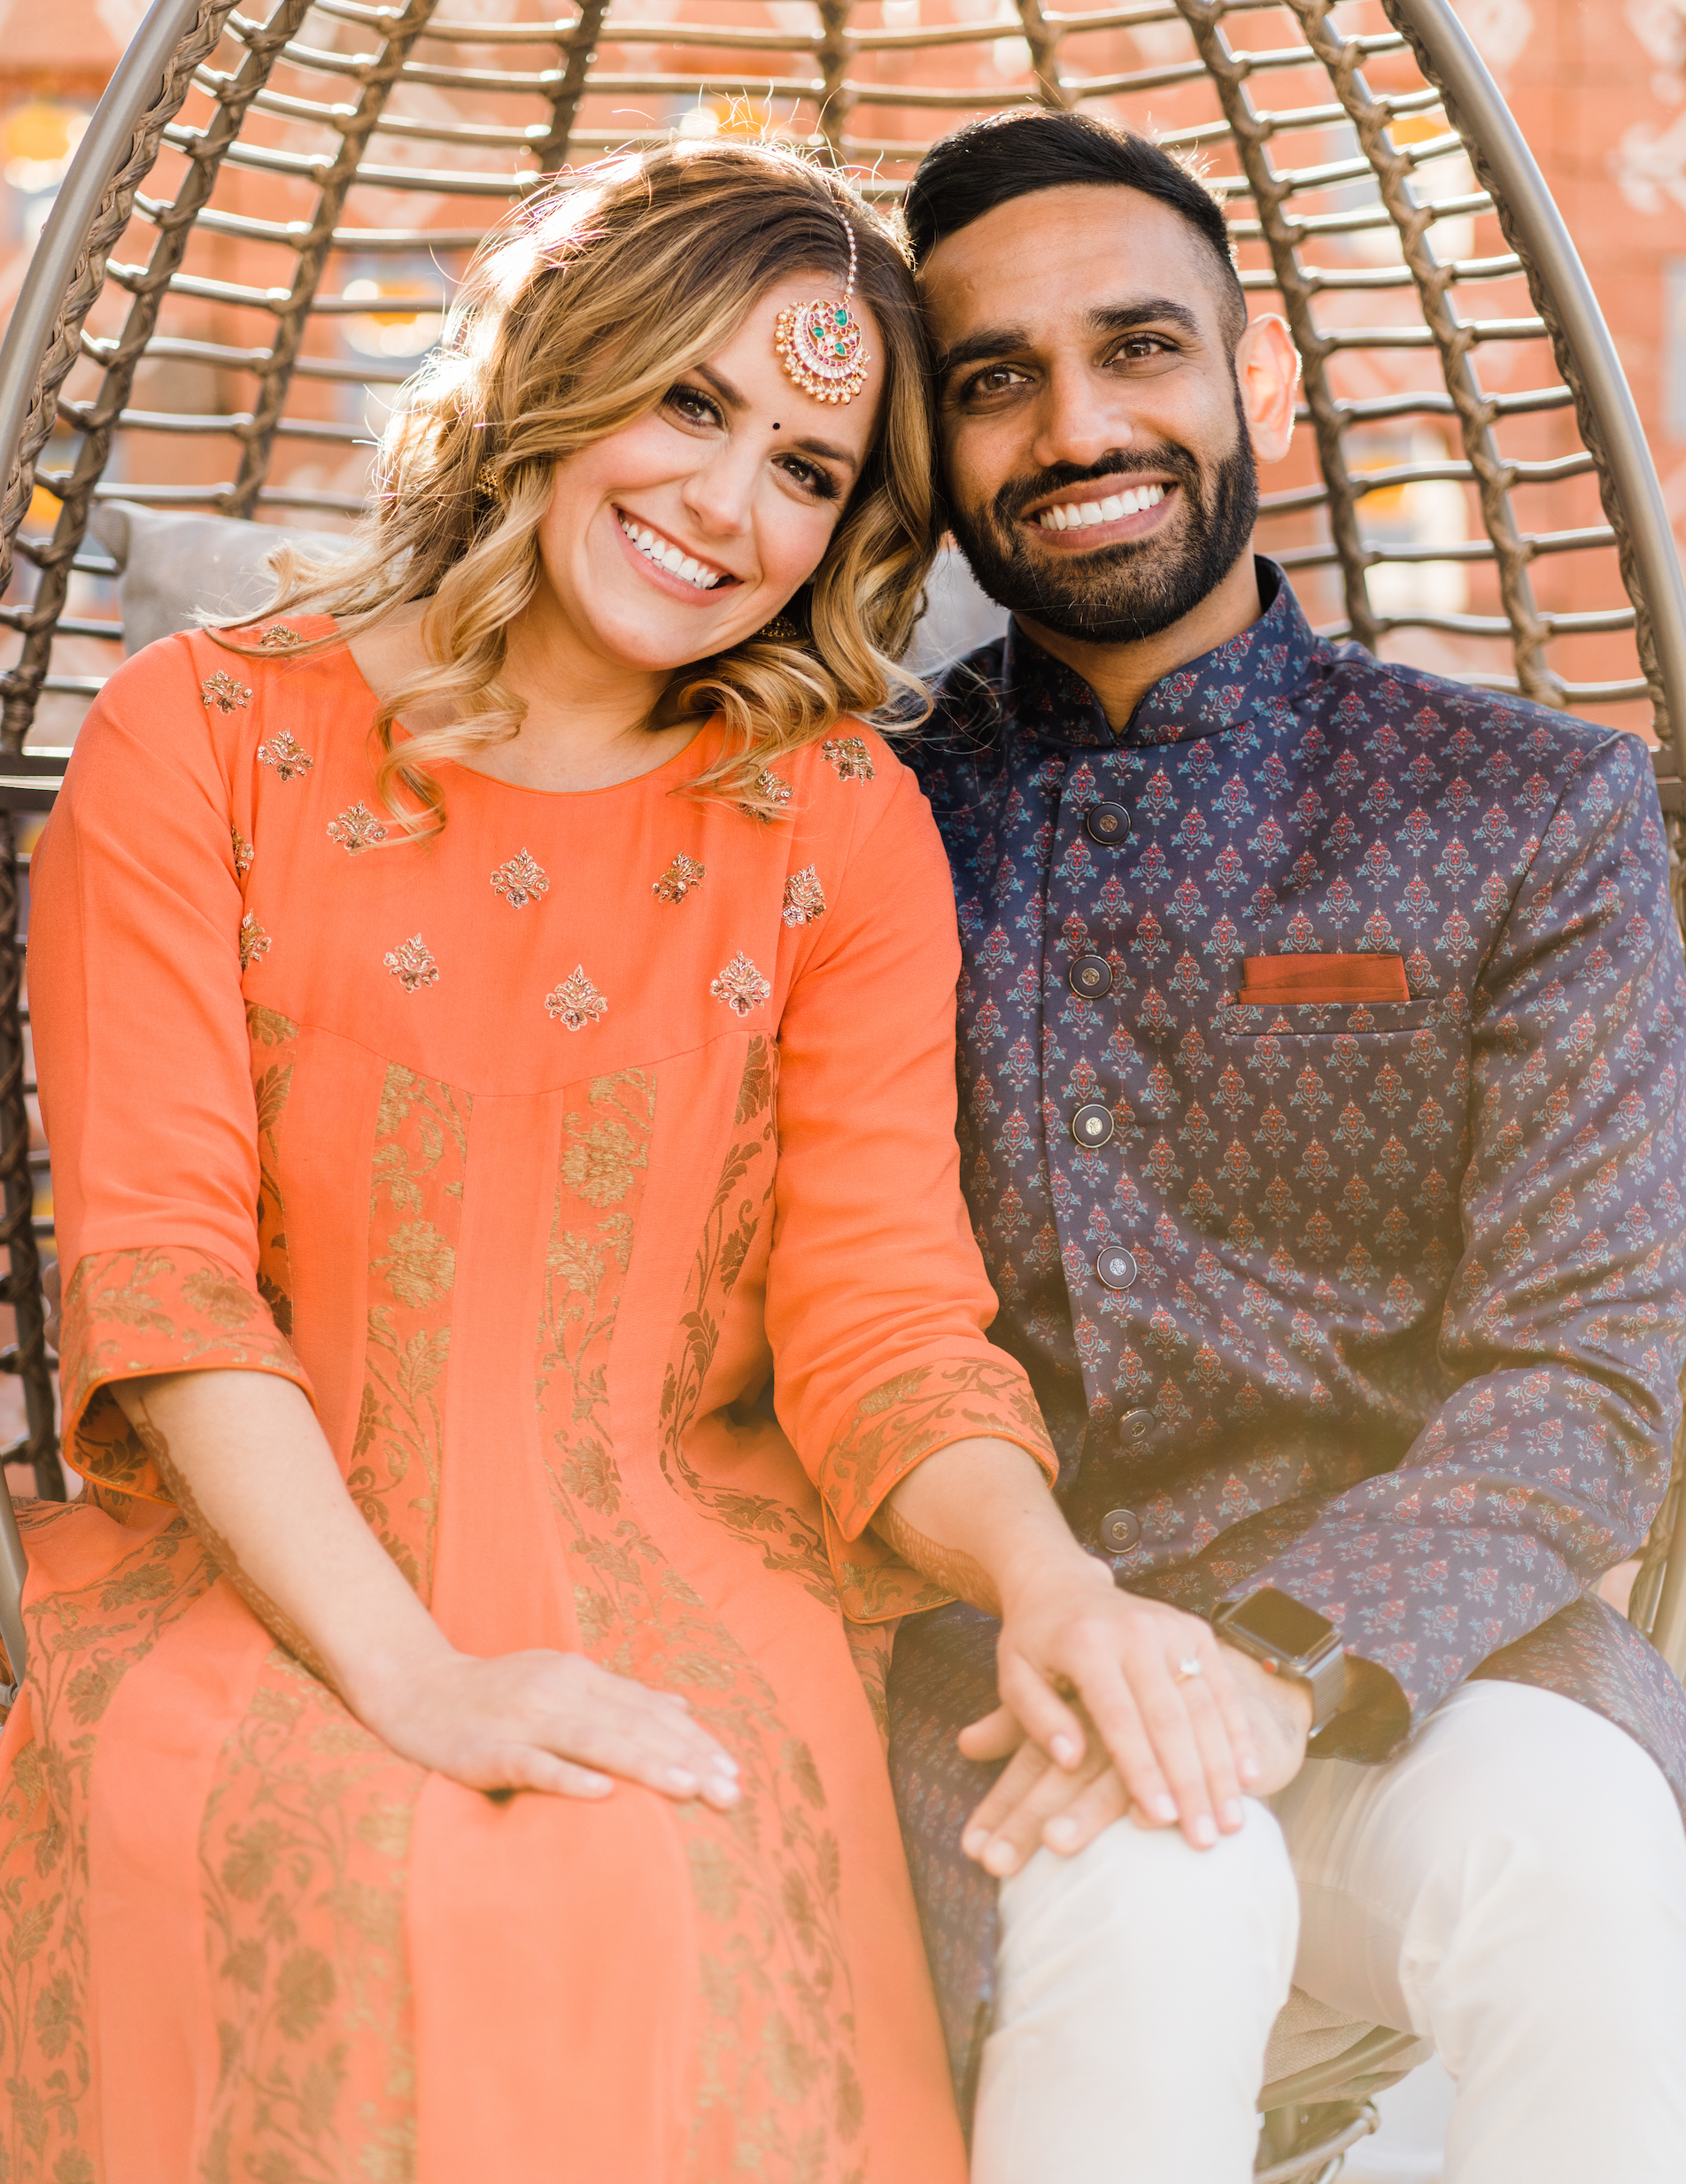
(1281, 1623)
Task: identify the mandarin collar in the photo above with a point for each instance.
(1261, 669)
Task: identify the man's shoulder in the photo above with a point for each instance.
(1386, 698)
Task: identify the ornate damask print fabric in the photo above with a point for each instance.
(1402, 1308)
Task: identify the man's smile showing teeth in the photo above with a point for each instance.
(666, 555)
(1080, 515)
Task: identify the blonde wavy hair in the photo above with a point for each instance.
(576, 315)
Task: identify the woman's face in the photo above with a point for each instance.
(738, 477)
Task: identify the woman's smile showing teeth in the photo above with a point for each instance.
(1084, 514)
(672, 558)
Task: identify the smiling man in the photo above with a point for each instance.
(1323, 1027)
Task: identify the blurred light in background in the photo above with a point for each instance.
(38, 140)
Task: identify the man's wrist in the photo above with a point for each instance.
(1290, 1695)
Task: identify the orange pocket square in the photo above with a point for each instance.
(1309, 978)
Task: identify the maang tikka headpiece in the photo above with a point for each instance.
(822, 344)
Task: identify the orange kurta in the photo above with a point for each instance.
(527, 1151)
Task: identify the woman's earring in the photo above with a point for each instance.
(490, 483)
(780, 630)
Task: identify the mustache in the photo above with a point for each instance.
(1016, 495)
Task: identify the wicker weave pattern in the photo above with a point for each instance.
(324, 149)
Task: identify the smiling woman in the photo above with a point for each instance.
(608, 366)
(494, 1011)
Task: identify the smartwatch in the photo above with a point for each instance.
(1289, 1640)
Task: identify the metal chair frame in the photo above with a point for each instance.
(236, 106)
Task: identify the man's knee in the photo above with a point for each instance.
(1575, 1817)
(1147, 1890)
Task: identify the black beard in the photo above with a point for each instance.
(1118, 594)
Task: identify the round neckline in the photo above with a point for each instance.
(520, 788)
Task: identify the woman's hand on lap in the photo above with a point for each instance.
(552, 1721)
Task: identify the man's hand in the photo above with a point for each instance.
(1036, 1803)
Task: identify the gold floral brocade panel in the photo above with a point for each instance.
(84, 1641)
(733, 1233)
(303, 1849)
(129, 1314)
(777, 2046)
(417, 1172)
(894, 1426)
(274, 1041)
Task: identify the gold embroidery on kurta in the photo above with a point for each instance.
(521, 880)
(244, 853)
(254, 941)
(778, 2092)
(84, 1641)
(850, 756)
(599, 1162)
(415, 1208)
(279, 638)
(773, 788)
(154, 1311)
(575, 1003)
(730, 1233)
(740, 986)
(286, 754)
(602, 1161)
(221, 691)
(804, 897)
(303, 1849)
(272, 1077)
(683, 875)
(356, 829)
(412, 964)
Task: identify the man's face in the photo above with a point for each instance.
(1097, 458)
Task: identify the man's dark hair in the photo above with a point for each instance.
(1014, 155)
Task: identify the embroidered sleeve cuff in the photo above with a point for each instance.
(129, 1314)
(888, 1432)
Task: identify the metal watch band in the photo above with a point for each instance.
(1326, 1673)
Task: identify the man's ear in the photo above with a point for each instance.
(1267, 371)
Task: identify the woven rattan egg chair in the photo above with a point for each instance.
(266, 217)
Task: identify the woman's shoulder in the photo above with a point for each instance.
(850, 789)
(851, 773)
(204, 691)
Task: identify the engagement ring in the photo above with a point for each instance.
(1191, 1667)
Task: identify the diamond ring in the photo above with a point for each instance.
(1189, 1668)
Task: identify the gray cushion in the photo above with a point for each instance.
(171, 567)
(957, 618)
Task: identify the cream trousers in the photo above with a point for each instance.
(1512, 1887)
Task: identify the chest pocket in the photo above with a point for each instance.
(1324, 1019)
(1343, 1111)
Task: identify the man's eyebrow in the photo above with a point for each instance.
(998, 341)
(1151, 310)
(827, 449)
(991, 341)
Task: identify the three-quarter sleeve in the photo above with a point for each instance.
(143, 1059)
(876, 1298)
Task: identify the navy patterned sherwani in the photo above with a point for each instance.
(1402, 1308)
